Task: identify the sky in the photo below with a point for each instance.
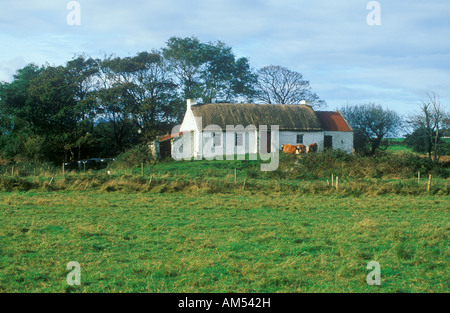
(334, 44)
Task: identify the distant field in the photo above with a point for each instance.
(399, 148)
(238, 242)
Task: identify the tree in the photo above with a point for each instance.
(430, 121)
(82, 72)
(279, 85)
(154, 105)
(185, 57)
(223, 78)
(372, 124)
(114, 100)
(137, 95)
(208, 71)
(18, 115)
(55, 110)
(419, 141)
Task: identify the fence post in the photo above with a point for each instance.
(418, 177)
(429, 184)
(337, 183)
(142, 168)
(332, 179)
(235, 176)
(64, 169)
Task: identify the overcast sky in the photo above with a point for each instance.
(330, 42)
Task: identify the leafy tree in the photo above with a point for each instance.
(209, 71)
(155, 105)
(224, 79)
(112, 99)
(16, 103)
(372, 124)
(279, 85)
(18, 118)
(53, 92)
(186, 57)
(419, 141)
(82, 72)
(138, 97)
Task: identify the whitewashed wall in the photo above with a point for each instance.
(341, 140)
(289, 137)
(201, 143)
(250, 142)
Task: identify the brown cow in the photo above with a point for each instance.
(293, 149)
(289, 149)
(300, 149)
(311, 148)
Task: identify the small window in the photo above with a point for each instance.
(299, 139)
(238, 139)
(217, 139)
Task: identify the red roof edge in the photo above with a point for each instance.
(170, 136)
(333, 121)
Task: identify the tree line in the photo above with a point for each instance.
(103, 106)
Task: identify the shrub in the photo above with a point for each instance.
(134, 157)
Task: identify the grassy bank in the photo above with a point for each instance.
(308, 174)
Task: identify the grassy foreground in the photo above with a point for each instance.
(222, 242)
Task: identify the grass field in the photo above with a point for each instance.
(153, 242)
(224, 226)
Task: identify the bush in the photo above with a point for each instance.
(381, 165)
(134, 157)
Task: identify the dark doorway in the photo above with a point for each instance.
(328, 142)
(165, 149)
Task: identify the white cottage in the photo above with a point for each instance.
(237, 129)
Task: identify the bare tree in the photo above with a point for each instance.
(279, 85)
(431, 119)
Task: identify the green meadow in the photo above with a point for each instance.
(185, 227)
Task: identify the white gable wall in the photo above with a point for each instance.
(341, 140)
(189, 122)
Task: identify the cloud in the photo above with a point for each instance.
(9, 67)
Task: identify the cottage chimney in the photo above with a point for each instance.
(190, 103)
(304, 102)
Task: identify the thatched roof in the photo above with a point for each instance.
(288, 117)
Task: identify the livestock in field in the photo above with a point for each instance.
(293, 149)
(301, 149)
(311, 148)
